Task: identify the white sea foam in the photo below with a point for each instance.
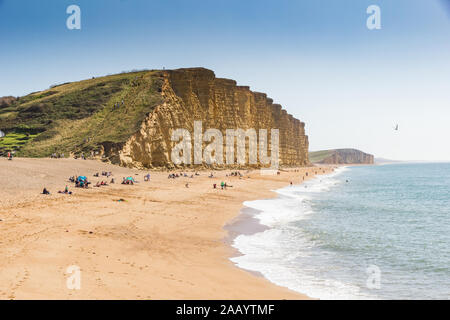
(273, 252)
(292, 205)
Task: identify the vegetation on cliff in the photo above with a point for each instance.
(341, 156)
(128, 118)
(80, 116)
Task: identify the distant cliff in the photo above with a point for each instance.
(341, 156)
(128, 118)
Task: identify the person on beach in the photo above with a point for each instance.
(66, 191)
(45, 191)
(222, 185)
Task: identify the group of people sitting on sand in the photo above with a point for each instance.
(104, 173)
(66, 191)
(101, 184)
(180, 175)
(128, 180)
(223, 185)
(235, 174)
(80, 181)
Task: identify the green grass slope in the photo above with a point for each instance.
(317, 156)
(80, 116)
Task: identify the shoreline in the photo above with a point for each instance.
(165, 241)
(245, 223)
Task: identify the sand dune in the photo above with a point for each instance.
(165, 241)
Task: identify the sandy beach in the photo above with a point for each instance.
(165, 241)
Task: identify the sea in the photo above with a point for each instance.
(362, 232)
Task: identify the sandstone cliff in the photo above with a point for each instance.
(128, 118)
(197, 95)
(341, 156)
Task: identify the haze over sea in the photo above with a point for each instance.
(323, 235)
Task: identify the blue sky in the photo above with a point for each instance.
(350, 85)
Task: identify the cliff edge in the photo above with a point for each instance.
(341, 156)
(128, 119)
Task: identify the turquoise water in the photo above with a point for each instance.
(326, 238)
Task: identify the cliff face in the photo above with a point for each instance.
(129, 118)
(342, 156)
(197, 95)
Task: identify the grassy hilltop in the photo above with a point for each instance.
(318, 156)
(80, 116)
(341, 156)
